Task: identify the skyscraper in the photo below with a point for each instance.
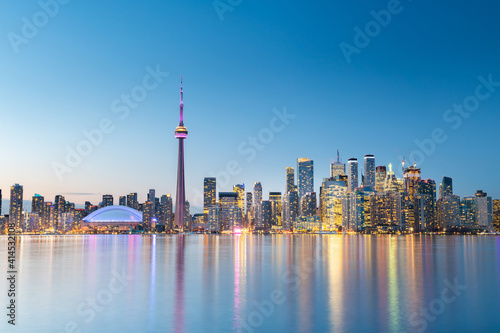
(308, 204)
(352, 173)
(107, 200)
(0, 202)
(240, 189)
(411, 178)
(166, 211)
(426, 196)
(331, 195)
(290, 209)
(484, 210)
(496, 214)
(209, 198)
(275, 199)
(446, 187)
(37, 206)
(180, 200)
(305, 177)
(226, 201)
(257, 194)
(380, 174)
(122, 201)
(152, 198)
(337, 168)
(131, 201)
(16, 205)
(369, 172)
(290, 179)
(249, 203)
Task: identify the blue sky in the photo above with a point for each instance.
(283, 55)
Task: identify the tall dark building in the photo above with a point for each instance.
(122, 201)
(275, 199)
(290, 209)
(107, 200)
(16, 205)
(37, 205)
(426, 201)
(446, 187)
(369, 177)
(226, 201)
(308, 204)
(305, 176)
(132, 201)
(181, 134)
(209, 197)
(249, 210)
(290, 179)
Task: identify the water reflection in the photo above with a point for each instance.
(207, 283)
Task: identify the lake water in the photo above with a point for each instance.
(255, 283)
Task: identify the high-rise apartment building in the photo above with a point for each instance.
(209, 196)
(352, 174)
(16, 205)
(369, 179)
(132, 201)
(337, 168)
(380, 175)
(107, 200)
(290, 179)
(305, 177)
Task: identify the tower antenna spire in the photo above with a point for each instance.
(181, 107)
(338, 156)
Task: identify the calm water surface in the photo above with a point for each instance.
(282, 283)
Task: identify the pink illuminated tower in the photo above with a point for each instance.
(180, 200)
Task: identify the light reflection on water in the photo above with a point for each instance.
(210, 283)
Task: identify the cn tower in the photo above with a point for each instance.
(180, 200)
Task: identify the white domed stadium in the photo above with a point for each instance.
(113, 216)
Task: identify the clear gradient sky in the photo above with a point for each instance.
(262, 56)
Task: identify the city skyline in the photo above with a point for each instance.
(379, 103)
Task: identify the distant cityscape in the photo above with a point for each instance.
(379, 202)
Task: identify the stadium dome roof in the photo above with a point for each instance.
(114, 214)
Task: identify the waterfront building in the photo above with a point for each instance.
(337, 168)
(331, 203)
(380, 175)
(276, 208)
(107, 200)
(446, 187)
(16, 206)
(226, 201)
(369, 177)
(290, 209)
(484, 210)
(352, 174)
(305, 177)
(290, 179)
(209, 197)
(131, 201)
